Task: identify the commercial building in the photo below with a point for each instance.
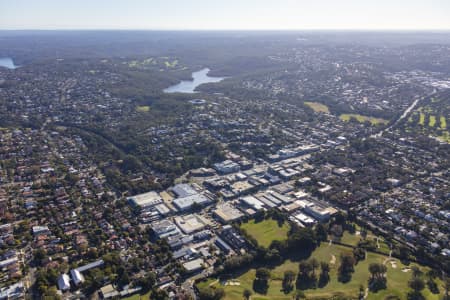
(191, 223)
(108, 292)
(186, 203)
(15, 291)
(184, 190)
(304, 219)
(242, 187)
(292, 206)
(287, 174)
(145, 200)
(269, 197)
(194, 265)
(165, 228)
(8, 262)
(222, 245)
(64, 282)
(232, 237)
(266, 202)
(226, 213)
(252, 202)
(318, 210)
(40, 230)
(227, 167)
(77, 277)
(95, 264)
(162, 209)
(179, 240)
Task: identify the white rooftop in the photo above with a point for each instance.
(145, 200)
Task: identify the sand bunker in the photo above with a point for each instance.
(233, 282)
(406, 270)
(333, 260)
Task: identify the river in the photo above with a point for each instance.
(7, 62)
(189, 86)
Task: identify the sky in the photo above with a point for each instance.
(226, 14)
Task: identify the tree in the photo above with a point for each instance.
(306, 277)
(359, 253)
(324, 274)
(314, 266)
(41, 282)
(131, 163)
(52, 293)
(124, 279)
(377, 278)
(288, 280)
(273, 255)
(148, 281)
(336, 230)
(416, 272)
(346, 268)
(416, 284)
(261, 282)
(447, 288)
(299, 295)
(304, 268)
(247, 294)
(210, 293)
(339, 218)
(263, 274)
(432, 286)
(361, 292)
(302, 239)
(40, 255)
(279, 245)
(377, 270)
(158, 294)
(321, 232)
(363, 233)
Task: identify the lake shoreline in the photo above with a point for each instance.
(188, 86)
(8, 63)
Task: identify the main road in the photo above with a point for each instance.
(404, 115)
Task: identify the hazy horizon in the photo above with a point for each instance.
(249, 15)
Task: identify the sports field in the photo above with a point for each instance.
(318, 107)
(361, 118)
(266, 231)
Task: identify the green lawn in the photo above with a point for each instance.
(172, 64)
(445, 137)
(443, 122)
(266, 231)
(352, 239)
(422, 119)
(144, 108)
(432, 121)
(318, 107)
(361, 118)
(396, 278)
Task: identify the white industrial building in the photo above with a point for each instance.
(252, 202)
(191, 223)
(165, 228)
(64, 282)
(145, 200)
(77, 277)
(185, 203)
